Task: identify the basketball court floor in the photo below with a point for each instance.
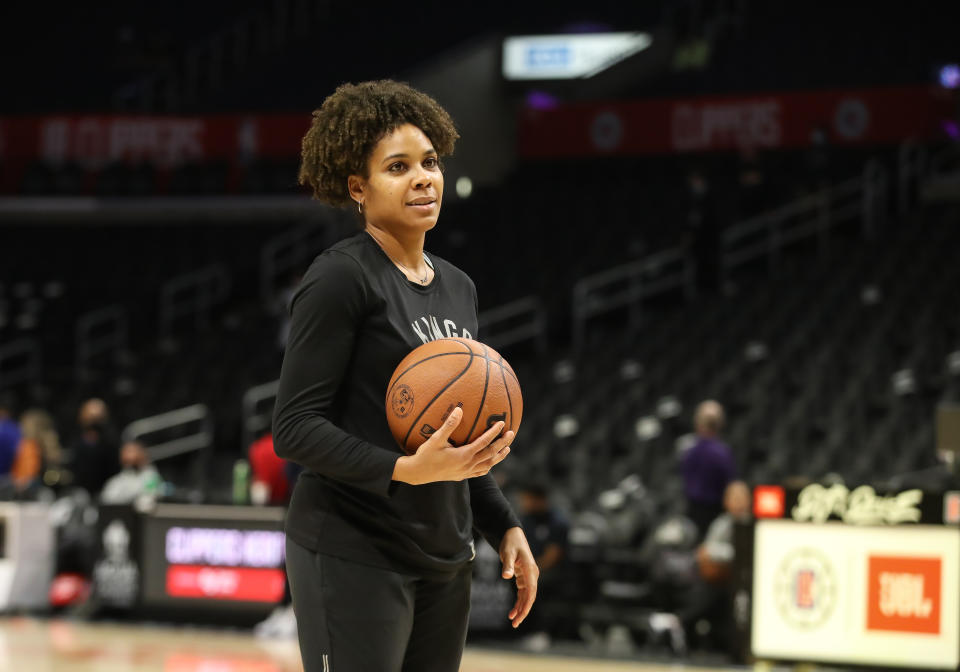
(38, 645)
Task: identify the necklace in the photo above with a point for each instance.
(426, 270)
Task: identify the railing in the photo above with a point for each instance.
(812, 216)
(255, 419)
(99, 332)
(178, 421)
(515, 322)
(192, 295)
(21, 362)
(133, 211)
(628, 285)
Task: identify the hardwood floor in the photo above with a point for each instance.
(38, 645)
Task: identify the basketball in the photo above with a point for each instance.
(437, 377)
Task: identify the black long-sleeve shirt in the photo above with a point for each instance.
(353, 318)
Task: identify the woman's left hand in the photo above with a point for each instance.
(518, 562)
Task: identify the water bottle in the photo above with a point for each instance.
(241, 482)
(153, 483)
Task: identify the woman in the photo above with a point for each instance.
(39, 450)
(380, 543)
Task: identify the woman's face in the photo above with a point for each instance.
(404, 187)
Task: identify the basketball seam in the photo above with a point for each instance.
(441, 354)
(483, 398)
(425, 359)
(506, 388)
(463, 342)
(437, 396)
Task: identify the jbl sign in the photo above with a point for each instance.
(904, 594)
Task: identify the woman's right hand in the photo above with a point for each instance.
(438, 460)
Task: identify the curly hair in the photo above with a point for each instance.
(350, 123)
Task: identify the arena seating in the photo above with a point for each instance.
(622, 210)
(833, 363)
(810, 362)
(830, 364)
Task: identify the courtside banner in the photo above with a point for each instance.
(870, 595)
(93, 141)
(770, 120)
(215, 557)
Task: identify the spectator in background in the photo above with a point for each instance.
(91, 456)
(137, 476)
(38, 451)
(546, 530)
(708, 467)
(9, 437)
(715, 555)
(710, 597)
(547, 527)
(269, 470)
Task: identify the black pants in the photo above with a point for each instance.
(356, 618)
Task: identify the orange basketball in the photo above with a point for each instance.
(437, 377)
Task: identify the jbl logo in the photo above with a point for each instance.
(904, 594)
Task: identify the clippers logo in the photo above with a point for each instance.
(904, 594)
(402, 401)
(805, 589)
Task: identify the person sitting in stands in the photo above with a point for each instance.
(137, 476)
(90, 457)
(710, 598)
(38, 451)
(269, 470)
(715, 555)
(547, 530)
(9, 437)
